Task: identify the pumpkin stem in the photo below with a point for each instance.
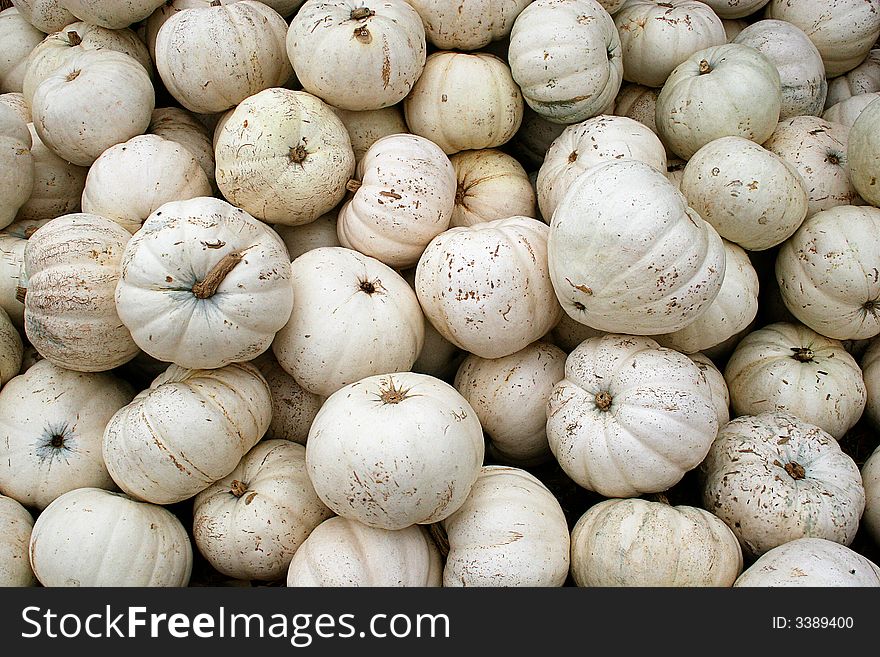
(833, 158)
(392, 394)
(870, 305)
(572, 157)
(207, 288)
(29, 231)
(73, 75)
(215, 3)
(795, 470)
(360, 13)
(297, 154)
(362, 34)
(802, 354)
(353, 185)
(603, 400)
(440, 538)
(370, 287)
(57, 441)
(73, 38)
(20, 293)
(238, 488)
(460, 192)
(704, 67)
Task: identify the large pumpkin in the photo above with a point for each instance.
(196, 280)
(491, 185)
(630, 417)
(16, 524)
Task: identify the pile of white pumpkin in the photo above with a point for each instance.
(331, 312)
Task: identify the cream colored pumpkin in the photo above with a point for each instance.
(211, 58)
(863, 154)
(196, 281)
(511, 531)
(58, 185)
(847, 111)
(249, 524)
(491, 185)
(717, 385)
(96, 99)
(305, 237)
(731, 311)
(189, 429)
(565, 55)
(726, 90)
(788, 367)
(800, 67)
(16, 524)
(638, 542)
(510, 397)
(111, 13)
(864, 78)
(395, 450)
(367, 127)
(94, 538)
(870, 366)
(871, 482)
(72, 267)
(293, 407)
(842, 30)
(56, 48)
(19, 38)
(818, 150)
(750, 195)
(15, 100)
(405, 198)
(178, 125)
(470, 25)
(728, 9)
(464, 101)
(11, 271)
(583, 145)
(656, 36)
(11, 349)
(630, 417)
(166, 10)
(774, 478)
(352, 317)
(46, 15)
(813, 562)
(131, 180)
(342, 553)
(825, 272)
(385, 38)
(486, 288)
(17, 164)
(50, 432)
(283, 156)
(628, 255)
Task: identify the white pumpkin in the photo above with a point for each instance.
(212, 58)
(95, 538)
(871, 481)
(293, 407)
(52, 423)
(847, 111)
(870, 366)
(825, 272)
(731, 311)
(464, 101)
(16, 524)
(818, 150)
(189, 429)
(346, 553)
(630, 417)
(726, 90)
(863, 154)
(628, 255)
(800, 67)
(656, 36)
(491, 185)
(249, 524)
(842, 30)
(510, 397)
(405, 198)
(15, 100)
(131, 180)
(635, 542)
(864, 78)
(19, 38)
(17, 164)
(352, 317)
(110, 13)
(283, 156)
(11, 349)
(717, 385)
(728, 9)
(366, 127)
(470, 25)
(180, 126)
(305, 237)
(196, 280)
(566, 57)
(811, 562)
(46, 15)
(774, 478)
(58, 185)
(583, 145)
(96, 99)
(511, 531)
(788, 367)
(11, 271)
(750, 195)
(152, 25)
(395, 450)
(385, 38)
(72, 267)
(486, 288)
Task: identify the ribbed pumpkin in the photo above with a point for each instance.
(863, 154)
(491, 185)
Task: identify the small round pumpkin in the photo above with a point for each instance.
(491, 185)
(635, 542)
(16, 524)
(395, 450)
(17, 164)
(94, 538)
(863, 154)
